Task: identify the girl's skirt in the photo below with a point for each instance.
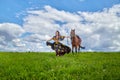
(60, 48)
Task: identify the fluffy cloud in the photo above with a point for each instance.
(105, 28)
(100, 31)
(9, 32)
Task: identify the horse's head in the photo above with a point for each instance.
(72, 33)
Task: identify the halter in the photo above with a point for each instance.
(72, 34)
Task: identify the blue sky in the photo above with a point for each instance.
(29, 23)
(10, 8)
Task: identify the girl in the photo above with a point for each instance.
(57, 46)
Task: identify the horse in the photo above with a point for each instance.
(75, 41)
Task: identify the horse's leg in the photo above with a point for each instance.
(76, 49)
(72, 49)
(79, 48)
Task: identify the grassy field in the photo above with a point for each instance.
(46, 66)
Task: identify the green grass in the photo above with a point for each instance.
(46, 66)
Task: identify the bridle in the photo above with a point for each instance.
(72, 35)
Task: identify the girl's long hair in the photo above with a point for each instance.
(58, 33)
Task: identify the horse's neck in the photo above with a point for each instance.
(73, 38)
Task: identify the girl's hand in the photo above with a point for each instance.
(67, 36)
(49, 40)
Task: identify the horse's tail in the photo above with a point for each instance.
(82, 47)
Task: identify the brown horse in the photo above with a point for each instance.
(76, 41)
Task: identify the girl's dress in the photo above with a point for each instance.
(60, 48)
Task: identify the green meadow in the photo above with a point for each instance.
(47, 66)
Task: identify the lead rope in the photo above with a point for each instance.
(67, 38)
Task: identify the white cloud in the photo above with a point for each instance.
(100, 31)
(37, 38)
(9, 32)
(53, 14)
(106, 25)
(13, 30)
(18, 43)
(96, 32)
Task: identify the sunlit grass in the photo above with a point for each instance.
(46, 66)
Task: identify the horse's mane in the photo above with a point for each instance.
(78, 37)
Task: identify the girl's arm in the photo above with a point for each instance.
(50, 39)
(67, 36)
(63, 37)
